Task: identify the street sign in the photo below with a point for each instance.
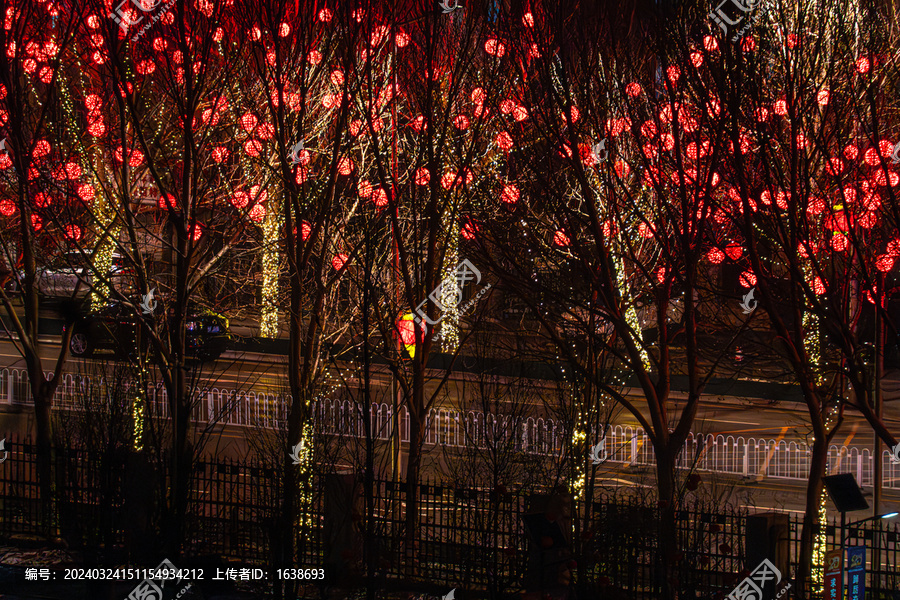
(834, 587)
(856, 573)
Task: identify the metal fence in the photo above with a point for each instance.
(544, 436)
(468, 538)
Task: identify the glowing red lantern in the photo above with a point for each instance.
(747, 279)
(253, 147)
(673, 73)
(380, 198)
(305, 230)
(73, 232)
(166, 201)
(561, 239)
(884, 263)
(240, 199)
(339, 261)
(257, 213)
(196, 232)
(504, 140)
(423, 176)
(248, 122)
(734, 251)
(839, 242)
(7, 207)
(715, 256)
(345, 166)
(510, 194)
(220, 154)
(818, 286)
(448, 179)
(469, 229)
(461, 122)
(41, 149)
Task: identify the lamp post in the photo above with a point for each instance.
(889, 515)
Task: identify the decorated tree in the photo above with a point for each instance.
(37, 195)
(808, 204)
(428, 149)
(607, 246)
(300, 152)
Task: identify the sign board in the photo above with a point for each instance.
(856, 573)
(834, 587)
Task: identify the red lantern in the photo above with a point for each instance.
(818, 286)
(715, 256)
(734, 251)
(561, 239)
(220, 154)
(510, 194)
(7, 207)
(257, 213)
(42, 200)
(305, 230)
(423, 176)
(240, 199)
(747, 279)
(884, 263)
(339, 261)
(345, 166)
(253, 147)
(839, 242)
(196, 232)
(380, 198)
(73, 232)
(41, 149)
(504, 140)
(166, 201)
(469, 230)
(248, 122)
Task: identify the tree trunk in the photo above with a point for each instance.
(182, 455)
(45, 456)
(416, 438)
(814, 487)
(668, 542)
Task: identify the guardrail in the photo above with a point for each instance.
(625, 445)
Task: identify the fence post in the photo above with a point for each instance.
(746, 459)
(634, 449)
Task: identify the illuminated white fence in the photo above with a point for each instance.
(625, 445)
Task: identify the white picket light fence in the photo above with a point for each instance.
(625, 445)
